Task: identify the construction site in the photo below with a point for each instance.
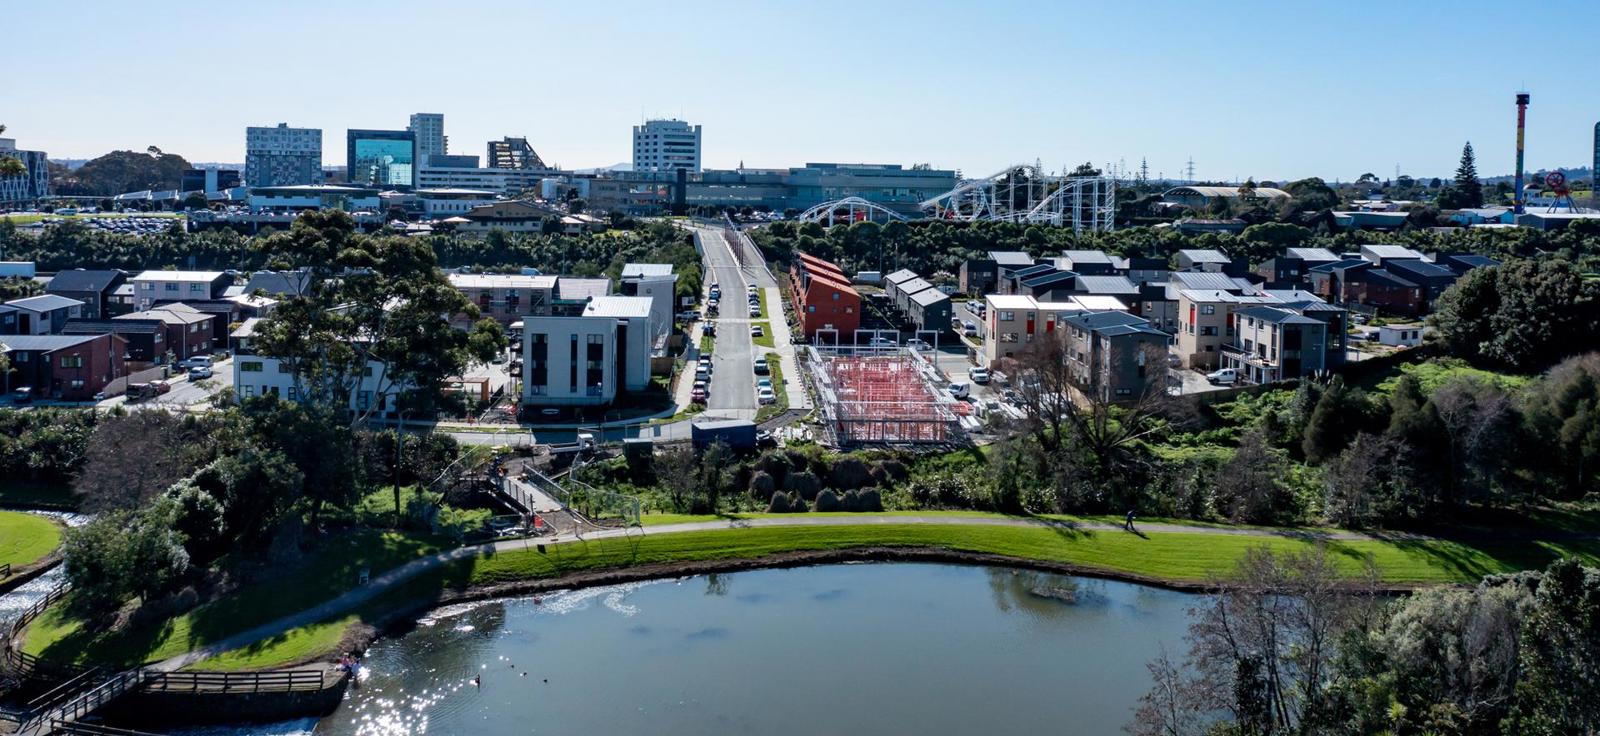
(881, 396)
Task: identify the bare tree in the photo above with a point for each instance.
(1176, 705)
(132, 458)
(678, 471)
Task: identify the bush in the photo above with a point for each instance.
(804, 486)
(797, 505)
(868, 499)
(779, 504)
(762, 485)
(849, 473)
(828, 502)
(851, 501)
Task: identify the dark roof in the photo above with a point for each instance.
(1275, 315)
(103, 326)
(81, 280)
(1470, 260)
(1418, 269)
(1347, 263)
(1113, 323)
(1046, 279)
(1381, 276)
(43, 342)
(289, 283)
(1034, 270)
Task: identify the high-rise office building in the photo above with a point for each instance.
(29, 185)
(513, 153)
(208, 180)
(666, 145)
(428, 127)
(386, 158)
(282, 156)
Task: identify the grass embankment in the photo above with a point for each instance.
(781, 405)
(1172, 556)
(323, 576)
(26, 539)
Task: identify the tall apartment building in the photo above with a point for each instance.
(384, 158)
(428, 127)
(282, 156)
(666, 145)
(30, 185)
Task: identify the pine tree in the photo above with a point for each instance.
(1467, 178)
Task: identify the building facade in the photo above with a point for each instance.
(514, 152)
(151, 287)
(1274, 344)
(657, 282)
(666, 145)
(428, 127)
(66, 367)
(382, 158)
(29, 185)
(45, 314)
(588, 359)
(282, 156)
(1115, 356)
(824, 300)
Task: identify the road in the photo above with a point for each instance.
(733, 385)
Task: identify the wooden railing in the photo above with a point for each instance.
(89, 729)
(235, 682)
(82, 705)
(5, 571)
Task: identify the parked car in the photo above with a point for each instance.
(1224, 377)
(761, 366)
(756, 331)
(196, 361)
(881, 342)
(161, 387)
(755, 311)
(688, 316)
(708, 329)
(960, 390)
(23, 395)
(702, 372)
(698, 395)
(917, 343)
(766, 396)
(763, 383)
(979, 376)
(969, 329)
(199, 372)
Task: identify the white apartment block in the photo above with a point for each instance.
(587, 360)
(431, 140)
(282, 156)
(656, 281)
(1012, 321)
(258, 375)
(152, 287)
(666, 145)
(506, 181)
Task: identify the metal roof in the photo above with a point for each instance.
(618, 306)
(576, 289)
(904, 274)
(83, 280)
(501, 281)
(1010, 258)
(44, 303)
(1107, 285)
(928, 297)
(1311, 254)
(636, 270)
(1276, 316)
(1087, 256)
(185, 276)
(1204, 255)
(44, 342)
(1205, 191)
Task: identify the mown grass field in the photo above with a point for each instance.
(26, 538)
(1173, 556)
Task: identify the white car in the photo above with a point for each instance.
(197, 361)
(760, 364)
(199, 372)
(1224, 377)
(917, 343)
(756, 331)
(766, 396)
(979, 376)
(960, 390)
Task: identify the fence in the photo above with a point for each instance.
(235, 682)
(89, 702)
(5, 571)
(89, 729)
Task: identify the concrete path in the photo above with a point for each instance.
(385, 581)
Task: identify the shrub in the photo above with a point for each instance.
(797, 505)
(828, 502)
(762, 485)
(868, 499)
(852, 502)
(779, 504)
(804, 486)
(849, 473)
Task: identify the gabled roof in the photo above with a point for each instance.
(928, 297)
(1320, 255)
(1011, 258)
(1113, 324)
(82, 280)
(1343, 265)
(44, 303)
(246, 329)
(44, 342)
(1107, 285)
(1292, 296)
(170, 316)
(102, 326)
(1079, 257)
(1204, 255)
(573, 289)
(1419, 269)
(1206, 280)
(1034, 270)
(834, 282)
(1385, 252)
(1276, 316)
(1382, 276)
(901, 276)
(510, 210)
(913, 286)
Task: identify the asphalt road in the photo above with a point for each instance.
(733, 385)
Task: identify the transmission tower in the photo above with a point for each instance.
(1189, 170)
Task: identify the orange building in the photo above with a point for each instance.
(823, 298)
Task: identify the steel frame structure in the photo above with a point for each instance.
(880, 396)
(1025, 193)
(851, 206)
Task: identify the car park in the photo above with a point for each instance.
(1224, 377)
(979, 375)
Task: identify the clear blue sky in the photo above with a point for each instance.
(1273, 90)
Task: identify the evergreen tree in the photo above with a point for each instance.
(1467, 178)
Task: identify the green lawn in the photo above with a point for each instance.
(323, 576)
(1435, 372)
(765, 340)
(26, 538)
(763, 294)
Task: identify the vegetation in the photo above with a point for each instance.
(26, 538)
(122, 171)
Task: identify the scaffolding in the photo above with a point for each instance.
(881, 396)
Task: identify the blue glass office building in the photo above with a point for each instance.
(384, 158)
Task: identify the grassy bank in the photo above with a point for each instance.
(1171, 556)
(26, 538)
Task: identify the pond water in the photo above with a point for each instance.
(880, 648)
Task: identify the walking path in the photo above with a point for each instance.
(386, 581)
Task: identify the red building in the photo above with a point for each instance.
(823, 298)
(69, 367)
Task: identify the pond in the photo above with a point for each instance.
(872, 648)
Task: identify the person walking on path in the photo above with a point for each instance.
(1128, 525)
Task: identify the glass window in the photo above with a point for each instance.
(1208, 309)
(250, 366)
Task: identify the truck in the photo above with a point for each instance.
(737, 434)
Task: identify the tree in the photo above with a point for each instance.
(133, 458)
(1466, 182)
(194, 201)
(1560, 655)
(1372, 483)
(677, 471)
(123, 555)
(11, 166)
(1248, 486)
(1523, 315)
(1336, 419)
(1562, 411)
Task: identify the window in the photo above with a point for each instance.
(249, 390)
(250, 366)
(1208, 309)
(72, 361)
(194, 328)
(197, 288)
(812, 308)
(148, 286)
(283, 367)
(172, 287)
(1008, 316)
(1208, 331)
